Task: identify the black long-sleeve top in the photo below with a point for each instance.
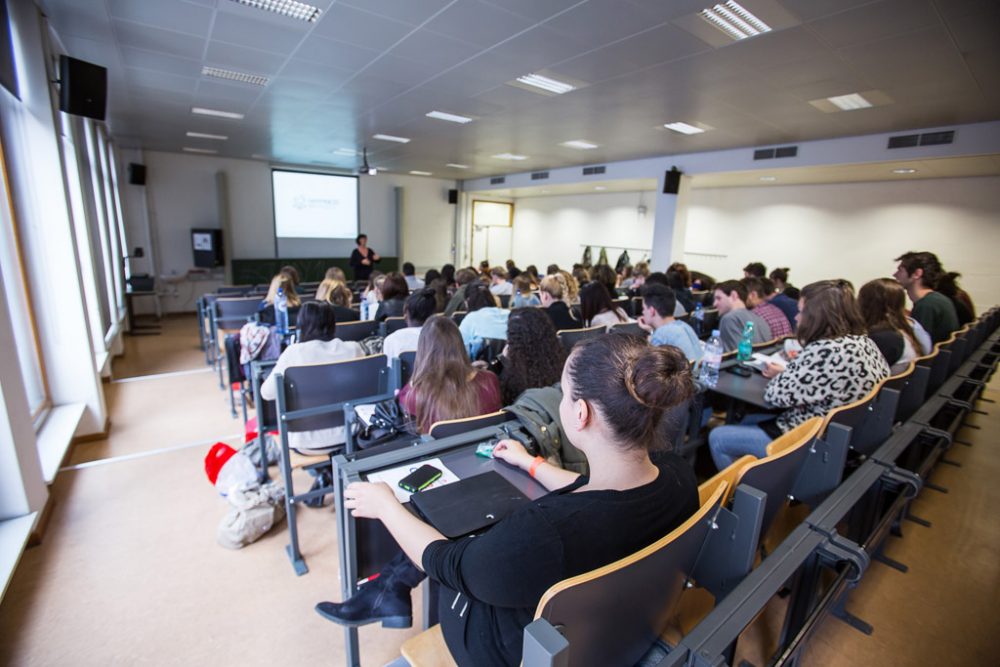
(492, 583)
(362, 271)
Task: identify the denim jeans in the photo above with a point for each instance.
(728, 443)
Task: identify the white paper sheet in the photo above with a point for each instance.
(393, 475)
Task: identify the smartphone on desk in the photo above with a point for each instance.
(742, 371)
(420, 478)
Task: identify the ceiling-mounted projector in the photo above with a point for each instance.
(366, 169)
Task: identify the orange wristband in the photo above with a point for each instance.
(534, 465)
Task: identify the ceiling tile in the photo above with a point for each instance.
(657, 45)
(776, 48)
(242, 59)
(536, 10)
(166, 14)
(431, 48)
(232, 91)
(305, 71)
(88, 20)
(597, 65)
(477, 23)
(538, 48)
(335, 53)
(875, 21)
(413, 12)
(360, 28)
(400, 70)
(265, 35)
(808, 10)
(927, 55)
(160, 41)
(160, 62)
(160, 80)
(599, 22)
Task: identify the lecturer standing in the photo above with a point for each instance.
(363, 258)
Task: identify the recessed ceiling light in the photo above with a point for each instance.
(683, 128)
(906, 170)
(258, 156)
(600, 187)
(347, 152)
(546, 83)
(202, 135)
(454, 118)
(510, 156)
(734, 20)
(416, 172)
(206, 151)
(768, 179)
(389, 137)
(232, 75)
(579, 144)
(849, 102)
(454, 165)
(290, 8)
(201, 111)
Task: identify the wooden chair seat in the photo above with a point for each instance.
(428, 650)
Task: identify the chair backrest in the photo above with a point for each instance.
(407, 364)
(912, 387)
(233, 290)
(854, 415)
(775, 474)
(355, 331)
(326, 384)
(570, 337)
(612, 615)
(233, 313)
(937, 363)
(631, 328)
(957, 348)
(709, 321)
(729, 475)
(391, 325)
(233, 367)
(766, 344)
(450, 427)
(504, 300)
(635, 306)
(458, 316)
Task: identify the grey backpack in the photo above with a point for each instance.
(537, 410)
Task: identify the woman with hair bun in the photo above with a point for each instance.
(615, 392)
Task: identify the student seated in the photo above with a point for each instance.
(660, 278)
(759, 290)
(882, 303)
(918, 273)
(754, 270)
(523, 294)
(960, 299)
(444, 384)
(597, 309)
(533, 356)
(786, 297)
(616, 389)
(552, 293)
(676, 282)
(337, 294)
(335, 273)
(394, 292)
(317, 344)
(730, 299)
(658, 319)
(419, 306)
(838, 365)
(464, 278)
(499, 285)
(409, 274)
(484, 319)
(282, 281)
(604, 274)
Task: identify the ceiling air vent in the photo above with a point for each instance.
(937, 138)
(592, 171)
(539, 175)
(904, 141)
(786, 151)
(763, 154)
(498, 180)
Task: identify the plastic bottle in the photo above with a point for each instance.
(745, 349)
(281, 312)
(698, 318)
(364, 309)
(711, 360)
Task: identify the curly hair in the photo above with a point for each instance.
(534, 356)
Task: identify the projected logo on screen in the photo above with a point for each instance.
(314, 206)
(302, 202)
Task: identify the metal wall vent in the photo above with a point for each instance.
(926, 139)
(498, 180)
(772, 153)
(539, 175)
(591, 171)
(904, 141)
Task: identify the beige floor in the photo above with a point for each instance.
(129, 572)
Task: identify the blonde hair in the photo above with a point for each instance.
(555, 286)
(284, 282)
(572, 286)
(334, 292)
(335, 273)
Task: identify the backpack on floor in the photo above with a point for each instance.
(255, 510)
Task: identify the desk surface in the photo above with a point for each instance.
(749, 390)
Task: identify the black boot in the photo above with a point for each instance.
(374, 602)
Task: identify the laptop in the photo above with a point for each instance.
(468, 505)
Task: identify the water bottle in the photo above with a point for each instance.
(281, 312)
(745, 349)
(364, 309)
(711, 360)
(698, 318)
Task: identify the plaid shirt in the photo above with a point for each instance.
(780, 326)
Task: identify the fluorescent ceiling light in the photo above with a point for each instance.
(347, 152)
(768, 179)
(457, 166)
(683, 128)
(849, 102)
(258, 156)
(389, 137)
(600, 187)
(907, 170)
(215, 112)
(510, 156)
(579, 144)
(290, 8)
(545, 83)
(206, 151)
(202, 135)
(232, 75)
(416, 172)
(735, 20)
(454, 118)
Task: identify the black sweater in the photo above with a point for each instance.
(492, 583)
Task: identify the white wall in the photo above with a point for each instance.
(550, 229)
(182, 192)
(850, 230)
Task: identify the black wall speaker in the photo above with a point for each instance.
(136, 173)
(672, 181)
(83, 88)
(452, 196)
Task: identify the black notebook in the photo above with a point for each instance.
(468, 505)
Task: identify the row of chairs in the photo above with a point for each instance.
(613, 614)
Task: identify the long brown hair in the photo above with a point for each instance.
(283, 281)
(829, 311)
(882, 302)
(440, 382)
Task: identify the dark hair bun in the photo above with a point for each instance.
(660, 377)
